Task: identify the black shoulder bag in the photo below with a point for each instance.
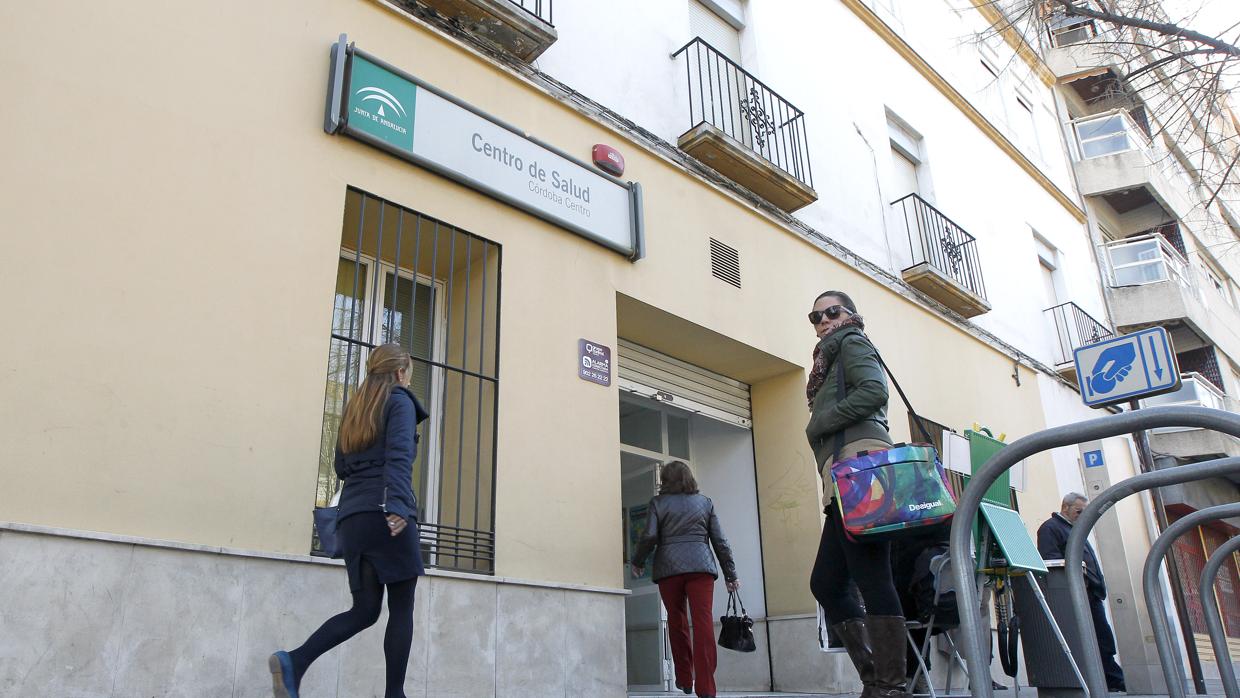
(736, 632)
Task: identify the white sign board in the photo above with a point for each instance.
(385, 107)
(1127, 367)
(956, 455)
(493, 159)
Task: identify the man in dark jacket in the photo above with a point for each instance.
(1052, 541)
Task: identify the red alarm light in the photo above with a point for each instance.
(608, 159)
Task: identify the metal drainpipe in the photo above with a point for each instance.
(1091, 219)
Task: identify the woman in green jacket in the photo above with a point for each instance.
(847, 418)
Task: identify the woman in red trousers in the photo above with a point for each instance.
(681, 529)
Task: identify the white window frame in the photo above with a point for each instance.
(907, 141)
(1174, 267)
(1134, 137)
(1025, 101)
(1066, 29)
(1196, 390)
(434, 449)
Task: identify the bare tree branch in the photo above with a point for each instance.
(1165, 28)
(1214, 195)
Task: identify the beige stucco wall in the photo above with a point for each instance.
(173, 213)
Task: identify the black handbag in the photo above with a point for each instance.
(736, 632)
(325, 522)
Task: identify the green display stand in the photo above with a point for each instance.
(982, 447)
(1008, 531)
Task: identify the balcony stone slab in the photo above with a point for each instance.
(1169, 303)
(928, 279)
(734, 160)
(1132, 169)
(1079, 60)
(1194, 444)
(501, 24)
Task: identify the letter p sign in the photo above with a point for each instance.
(1093, 459)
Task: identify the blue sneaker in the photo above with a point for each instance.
(283, 685)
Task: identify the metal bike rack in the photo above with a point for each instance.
(1215, 624)
(1173, 671)
(1068, 435)
(1074, 554)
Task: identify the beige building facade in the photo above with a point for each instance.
(199, 270)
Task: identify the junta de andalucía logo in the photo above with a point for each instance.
(383, 98)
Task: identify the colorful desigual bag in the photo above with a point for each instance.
(902, 489)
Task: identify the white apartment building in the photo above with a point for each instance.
(921, 119)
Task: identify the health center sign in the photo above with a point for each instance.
(385, 107)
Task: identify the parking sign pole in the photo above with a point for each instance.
(1146, 457)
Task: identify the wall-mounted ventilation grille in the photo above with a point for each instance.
(725, 263)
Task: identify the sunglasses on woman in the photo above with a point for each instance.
(831, 313)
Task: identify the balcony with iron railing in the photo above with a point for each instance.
(520, 28)
(1117, 161)
(745, 130)
(1186, 442)
(1074, 328)
(944, 259)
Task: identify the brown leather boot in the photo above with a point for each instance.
(888, 642)
(856, 640)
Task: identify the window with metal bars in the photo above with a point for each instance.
(433, 288)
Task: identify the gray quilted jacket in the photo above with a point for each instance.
(678, 529)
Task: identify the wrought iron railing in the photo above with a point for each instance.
(936, 240)
(408, 278)
(1074, 328)
(539, 8)
(724, 95)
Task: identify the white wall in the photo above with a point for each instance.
(824, 60)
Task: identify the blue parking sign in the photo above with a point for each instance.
(1094, 459)
(1127, 367)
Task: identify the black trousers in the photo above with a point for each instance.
(1106, 644)
(841, 560)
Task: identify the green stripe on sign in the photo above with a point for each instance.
(381, 103)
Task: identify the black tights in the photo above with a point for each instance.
(841, 560)
(367, 603)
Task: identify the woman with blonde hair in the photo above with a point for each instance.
(377, 522)
(681, 529)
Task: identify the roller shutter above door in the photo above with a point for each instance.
(652, 374)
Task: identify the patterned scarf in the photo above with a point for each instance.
(818, 374)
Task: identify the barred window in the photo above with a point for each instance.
(433, 288)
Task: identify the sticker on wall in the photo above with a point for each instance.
(593, 362)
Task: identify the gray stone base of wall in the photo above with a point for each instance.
(799, 666)
(93, 616)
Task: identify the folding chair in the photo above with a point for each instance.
(940, 570)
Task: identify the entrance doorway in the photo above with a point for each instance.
(720, 453)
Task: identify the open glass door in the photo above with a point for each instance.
(650, 435)
(645, 621)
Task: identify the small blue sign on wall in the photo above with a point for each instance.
(1134, 365)
(1094, 459)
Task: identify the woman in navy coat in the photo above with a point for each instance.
(377, 522)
